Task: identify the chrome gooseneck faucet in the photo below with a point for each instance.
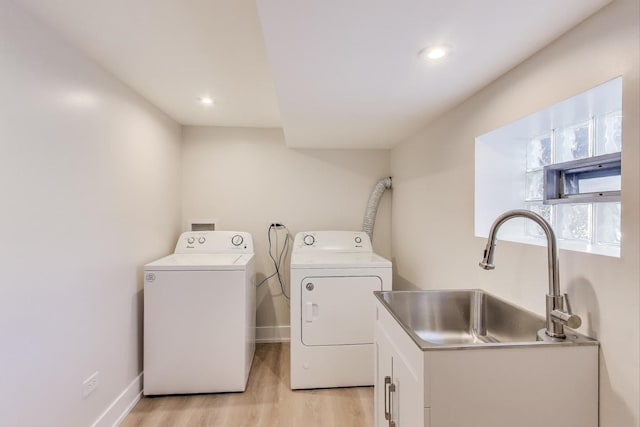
(557, 317)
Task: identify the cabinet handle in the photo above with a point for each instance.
(389, 388)
(387, 414)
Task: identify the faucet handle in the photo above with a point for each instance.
(567, 318)
(571, 320)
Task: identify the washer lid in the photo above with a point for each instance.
(338, 260)
(201, 262)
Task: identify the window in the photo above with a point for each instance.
(579, 143)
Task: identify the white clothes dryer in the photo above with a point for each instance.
(200, 315)
(333, 276)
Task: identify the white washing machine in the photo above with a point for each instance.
(333, 276)
(200, 315)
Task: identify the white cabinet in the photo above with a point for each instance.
(384, 374)
(525, 386)
(399, 391)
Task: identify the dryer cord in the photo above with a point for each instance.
(280, 256)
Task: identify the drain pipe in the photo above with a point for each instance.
(372, 205)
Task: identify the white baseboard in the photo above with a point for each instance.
(120, 408)
(266, 334)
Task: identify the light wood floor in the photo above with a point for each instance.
(268, 401)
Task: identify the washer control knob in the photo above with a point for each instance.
(201, 240)
(309, 240)
(237, 240)
(190, 240)
(358, 239)
(309, 286)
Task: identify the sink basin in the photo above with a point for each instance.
(467, 318)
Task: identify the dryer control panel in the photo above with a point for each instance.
(334, 241)
(213, 242)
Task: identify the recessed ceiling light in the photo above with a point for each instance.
(205, 100)
(434, 52)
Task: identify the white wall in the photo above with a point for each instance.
(433, 240)
(246, 178)
(89, 181)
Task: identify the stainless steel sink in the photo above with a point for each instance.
(467, 318)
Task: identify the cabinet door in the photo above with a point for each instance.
(384, 375)
(397, 388)
(399, 385)
(406, 398)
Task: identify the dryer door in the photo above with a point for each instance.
(338, 310)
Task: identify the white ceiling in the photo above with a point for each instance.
(173, 52)
(339, 74)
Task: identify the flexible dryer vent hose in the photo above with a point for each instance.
(372, 205)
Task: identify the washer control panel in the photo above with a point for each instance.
(336, 241)
(211, 242)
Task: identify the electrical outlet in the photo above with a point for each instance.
(90, 384)
(276, 224)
